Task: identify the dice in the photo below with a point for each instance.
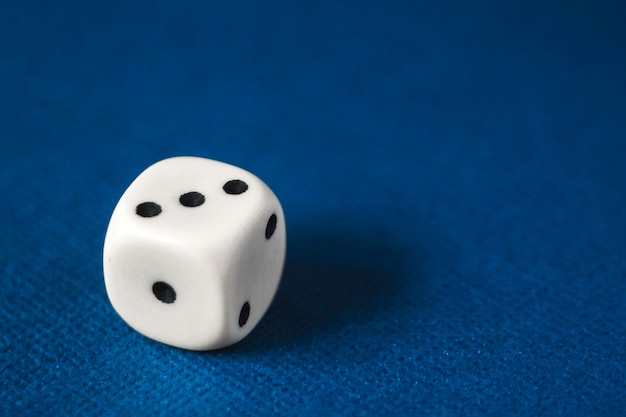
(194, 252)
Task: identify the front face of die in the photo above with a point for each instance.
(194, 252)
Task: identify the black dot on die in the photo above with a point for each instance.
(271, 226)
(148, 209)
(191, 199)
(164, 292)
(244, 314)
(235, 187)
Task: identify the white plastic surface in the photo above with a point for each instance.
(215, 256)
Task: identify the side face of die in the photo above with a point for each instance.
(194, 252)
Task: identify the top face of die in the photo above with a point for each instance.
(182, 197)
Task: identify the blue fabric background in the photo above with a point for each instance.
(452, 174)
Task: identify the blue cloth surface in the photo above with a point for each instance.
(452, 175)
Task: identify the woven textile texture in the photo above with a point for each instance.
(452, 175)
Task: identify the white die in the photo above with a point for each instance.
(194, 252)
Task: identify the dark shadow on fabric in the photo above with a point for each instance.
(330, 277)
